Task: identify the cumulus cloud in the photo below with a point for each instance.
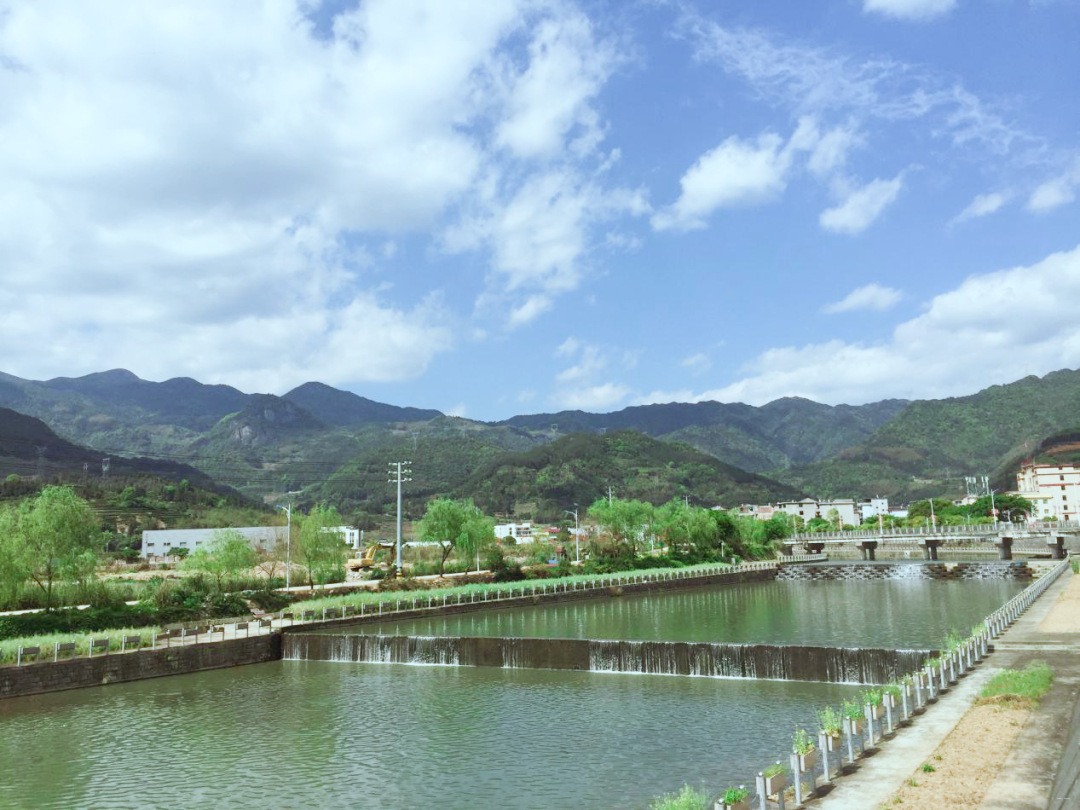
(735, 173)
(862, 206)
(909, 9)
(872, 297)
(983, 205)
(550, 99)
(952, 348)
(219, 191)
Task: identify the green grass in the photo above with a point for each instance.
(370, 600)
(928, 768)
(1023, 687)
(686, 799)
(9, 648)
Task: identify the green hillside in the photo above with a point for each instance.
(932, 444)
(542, 482)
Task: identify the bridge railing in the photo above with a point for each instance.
(973, 530)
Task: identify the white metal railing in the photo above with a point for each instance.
(916, 691)
(972, 530)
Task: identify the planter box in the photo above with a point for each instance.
(856, 726)
(775, 784)
(832, 743)
(877, 711)
(889, 701)
(807, 761)
(745, 804)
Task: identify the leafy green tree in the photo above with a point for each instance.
(51, 533)
(1014, 504)
(319, 545)
(457, 526)
(623, 520)
(226, 555)
(689, 530)
(12, 571)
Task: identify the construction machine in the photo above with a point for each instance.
(367, 559)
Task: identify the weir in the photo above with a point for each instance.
(700, 659)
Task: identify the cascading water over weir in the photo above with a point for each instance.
(701, 659)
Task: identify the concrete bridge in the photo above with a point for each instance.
(1026, 538)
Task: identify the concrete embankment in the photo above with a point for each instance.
(179, 659)
(76, 673)
(703, 659)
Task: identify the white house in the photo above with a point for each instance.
(1061, 482)
(521, 532)
(158, 542)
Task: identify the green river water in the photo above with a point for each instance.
(328, 735)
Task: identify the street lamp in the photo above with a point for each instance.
(577, 536)
(288, 542)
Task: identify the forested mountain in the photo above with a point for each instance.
(328, 443)
(579, 468)
(932, 444)
(782, 433)
(349, 410)
(28, 447)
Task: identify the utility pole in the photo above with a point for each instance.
(398, 469)
(609, 495)
(577, 535)
(288, 538)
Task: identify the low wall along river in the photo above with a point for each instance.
(702, 659)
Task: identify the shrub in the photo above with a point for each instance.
(502, 569)
(686, 799)
(1021, 688)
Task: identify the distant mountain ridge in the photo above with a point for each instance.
(266, 444)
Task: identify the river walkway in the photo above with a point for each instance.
(1048, 631)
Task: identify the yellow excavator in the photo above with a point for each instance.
(368, 558)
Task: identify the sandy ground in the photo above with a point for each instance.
(967, 762)
(1064, 616)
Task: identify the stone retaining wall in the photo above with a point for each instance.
(75, 673)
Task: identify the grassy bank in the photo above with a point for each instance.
(9, 648)
(480, 591)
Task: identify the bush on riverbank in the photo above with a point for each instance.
(191, 599)
(688, 798)
(1019, 688)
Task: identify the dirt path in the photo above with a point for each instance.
(1064, 616)
(966, 764)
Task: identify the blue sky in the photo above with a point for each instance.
(505, 207)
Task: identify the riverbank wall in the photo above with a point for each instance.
(102, 670)
(184, 658)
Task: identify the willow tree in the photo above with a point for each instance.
(457, 526)
(625, 521)
(319, 544)
(225, 557)
(52, 536)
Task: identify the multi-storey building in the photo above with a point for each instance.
(1061, 482)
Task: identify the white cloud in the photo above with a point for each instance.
(735, 173)
(862, 206)
(458, 410)
(830, 153)
(824, 82)
(983, 205)
(549, 100)
(593, 359)
(540, 236)
(216, 189)
(1056, 192)
(872, 297)
(909, 9)
(697, 363)
(605, 396)
(568, 347)
(993, 328)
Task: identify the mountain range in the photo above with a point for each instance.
(328, 443)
